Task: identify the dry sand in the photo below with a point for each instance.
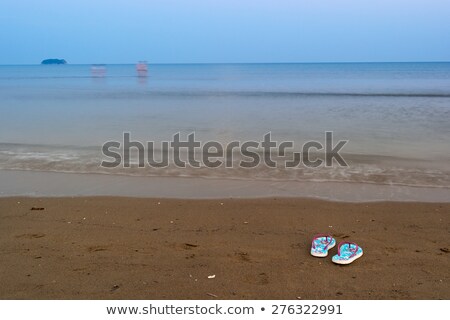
(130, 248)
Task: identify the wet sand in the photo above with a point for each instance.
(142, 248)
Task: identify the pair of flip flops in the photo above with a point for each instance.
(347, 251)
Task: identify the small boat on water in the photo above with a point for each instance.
(98, 70)
(142, 68)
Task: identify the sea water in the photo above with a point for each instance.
(395, 116)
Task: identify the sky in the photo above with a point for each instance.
(224, 31)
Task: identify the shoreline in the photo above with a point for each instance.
(30, 184)
(153, 248)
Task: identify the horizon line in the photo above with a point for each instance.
(209, 63)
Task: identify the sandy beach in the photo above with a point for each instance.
(142, 248)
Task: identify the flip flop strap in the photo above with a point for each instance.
(321, 235)
(353, 250)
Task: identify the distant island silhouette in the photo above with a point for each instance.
(54, 61)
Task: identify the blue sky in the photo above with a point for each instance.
(201, 31)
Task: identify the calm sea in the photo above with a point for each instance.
(396, 116)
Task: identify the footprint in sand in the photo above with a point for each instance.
(189, 246)
(96, 248)
(391, 249)
(242, 256)
(341, 235)
(182, 246)
(259, 279)
(30, 235)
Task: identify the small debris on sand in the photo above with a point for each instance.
(114, 288)
(212, 295)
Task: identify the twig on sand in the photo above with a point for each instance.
(212, 295)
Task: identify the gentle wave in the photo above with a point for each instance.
(362, 168)
(238, 178)
(265, 94)
(141, 94)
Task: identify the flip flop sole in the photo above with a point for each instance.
(359, 255)
(325, 254)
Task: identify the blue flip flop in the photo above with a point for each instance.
(347, 253)
(321, 243)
